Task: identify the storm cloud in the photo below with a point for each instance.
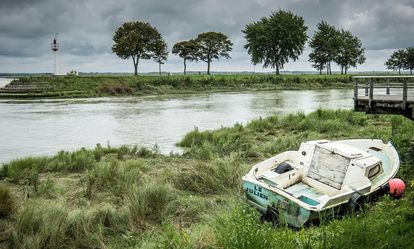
(86, 28)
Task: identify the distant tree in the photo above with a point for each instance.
(275, 39)
(325, 45)
(350, 51)
(319, 60)
(136, 40)
(397, 61)
(160, 52)
(187, 50)
(409, 59)
(213, 45)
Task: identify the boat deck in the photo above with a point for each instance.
(303, 189)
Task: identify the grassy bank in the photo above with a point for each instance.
(131, 197)
(94, 86)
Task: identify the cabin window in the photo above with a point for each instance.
(373, 172)
(375, 148)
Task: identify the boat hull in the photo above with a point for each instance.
(308, 191)
(288, 211)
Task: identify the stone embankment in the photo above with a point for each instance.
(24, 87)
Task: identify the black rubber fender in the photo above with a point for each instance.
(271, 215)
(356, 203)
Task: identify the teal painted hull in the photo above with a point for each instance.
(289, 211)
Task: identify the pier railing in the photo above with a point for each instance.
(384, 94)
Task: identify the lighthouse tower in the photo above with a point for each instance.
(55, 47)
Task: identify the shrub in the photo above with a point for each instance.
(22, 169)
(7, 203)
(77, 161)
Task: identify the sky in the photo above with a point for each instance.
(85, 30)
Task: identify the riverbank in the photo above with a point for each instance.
(98, 86)
(132, 197)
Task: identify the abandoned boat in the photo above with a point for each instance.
(322, 177)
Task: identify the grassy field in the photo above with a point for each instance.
(131, 197)
(95, 86)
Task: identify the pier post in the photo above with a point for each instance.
(388, 87)
(356, 93)
(371, 92)
(404, 97)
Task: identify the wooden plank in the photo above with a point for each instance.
(328, 167)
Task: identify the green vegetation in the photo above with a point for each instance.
(330, 44)
(186, 50)
(276, 39)
(131, 197)
(212, 45)
(6, 202)
(139, 40)
(206, 47)
(95, 86)
(401, 59)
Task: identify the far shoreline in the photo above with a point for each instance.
(35, 87)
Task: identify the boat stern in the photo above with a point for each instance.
(264, 200)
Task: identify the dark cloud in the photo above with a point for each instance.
(86, 27)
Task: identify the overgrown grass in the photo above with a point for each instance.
(217, 176)
(148, 203)
(7, 202)
(130, 197)
(89, 86)
(52, 225)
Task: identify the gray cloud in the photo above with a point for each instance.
(86, 27)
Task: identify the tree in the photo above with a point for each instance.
(136, 40)
(160, 52)
(325, 45)
(187, 50)
(350, 51)
(319, 60)
(276, 39)
(397, 60)
(213, 45)
(409, 59)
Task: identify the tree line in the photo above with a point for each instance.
(140, 40)
(401, 59)
(271, 41)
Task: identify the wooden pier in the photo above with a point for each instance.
(385, 95)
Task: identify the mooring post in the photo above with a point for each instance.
(371, 92)
(366, 87)
(404, 97)
(388, 87)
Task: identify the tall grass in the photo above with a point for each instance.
(146, 203)
(54, 225)
(21, 170)
(221, 175)
(7, 202)
(41, 225)
(77, 161)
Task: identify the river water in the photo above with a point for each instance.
(43, 127)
